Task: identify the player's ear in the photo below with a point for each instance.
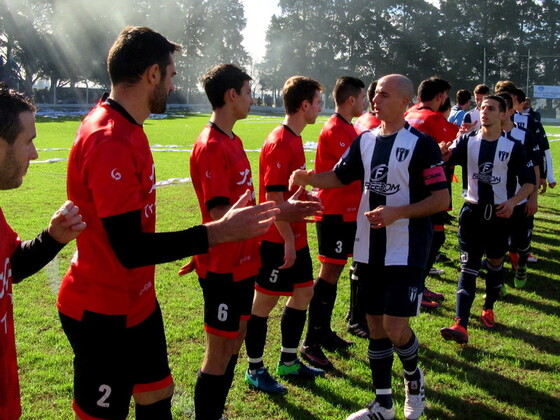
(230, 95)
(153, 73)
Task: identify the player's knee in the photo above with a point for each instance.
(301, 297)
(151, 397)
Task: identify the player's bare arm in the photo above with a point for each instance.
(383, 216)
(326, 179)
(285, 230)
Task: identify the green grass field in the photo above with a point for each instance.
(513, 372)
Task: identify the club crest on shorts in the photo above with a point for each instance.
(413, 293)
(401, 153)
(464, 257)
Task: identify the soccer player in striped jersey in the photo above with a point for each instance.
(433, 93)
(523, 214)
(471, 121)
(495, 166)
(404, 183)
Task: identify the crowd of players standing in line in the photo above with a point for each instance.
(383, 192)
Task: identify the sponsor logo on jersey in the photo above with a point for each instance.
(401, 153)
(115, 174)
(149, 209)
(5, 277)
(485, 174)
(146, 287)
(378, 181)
(245, 177)
(503, 155)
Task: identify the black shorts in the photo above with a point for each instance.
(482, 232)
(390, 290)
(521, 229)
(112, 362)
(336, 239)
(273, 281)
(226, 302)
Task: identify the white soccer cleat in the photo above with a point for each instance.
(415, 400)
(373, 412)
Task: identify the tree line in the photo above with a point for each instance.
(66, 42)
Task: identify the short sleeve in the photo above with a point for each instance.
(212, 167)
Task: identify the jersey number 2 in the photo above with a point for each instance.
(106, 390)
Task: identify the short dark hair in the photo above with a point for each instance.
(346, 87)
(481, 89)
(445, 106)
(12, 103)
(463, 96)
(135, 49)
(520, 93)
(219, 79)
(371, 90)
(498, 99)
(298, 89)
(429, 88)
(507, 98)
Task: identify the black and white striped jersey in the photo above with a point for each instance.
(536, 128)
(395, 170)
(493, 167)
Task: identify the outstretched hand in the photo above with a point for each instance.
(66, 224)
(300, 207)
(241, 223)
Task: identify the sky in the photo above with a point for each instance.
(258, 14)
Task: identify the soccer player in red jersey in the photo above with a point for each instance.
(336, 228)
(21, 259)
(286, 262)
(432, 94)
(107, 301)
(368, 120)
(221, 173)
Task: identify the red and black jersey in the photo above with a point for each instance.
(367, 121)
(110, 172)
(10, 406)
(432, 123)
(221, 173)
(336, 136)
(281, 154)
